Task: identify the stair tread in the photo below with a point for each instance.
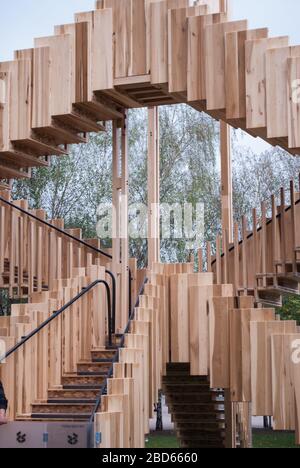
(55, 401)
(62, 403)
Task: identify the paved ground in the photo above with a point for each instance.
(167, 423)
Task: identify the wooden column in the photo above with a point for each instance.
(153, 187)
(226, 181)
(124, 225)
(120, 245)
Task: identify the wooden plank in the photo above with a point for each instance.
(293, 102)
(240, 351)
(277, 89)
(179, 306)
(101, 24)
(4, 109)
(261, 365)
(215, 61)
(54, 79)
(110, 426)
(255, 51)
(81, 60)
(201, 321)
(19, 99)
(153, 187)
(296, 383)
(226, 183)
(283, 390)
(177, 50)
(159, 42)
(235, 70)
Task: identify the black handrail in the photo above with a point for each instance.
(103, 389)
(56, 314)
(61, 231)
(85, 244)
(113, 303)
(250, 235)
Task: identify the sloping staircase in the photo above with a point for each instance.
(197, 411)
(76, 398)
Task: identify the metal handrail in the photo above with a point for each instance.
(80, 241)
(250, 235)
(56, 314)
(111, 370)
(61, 231)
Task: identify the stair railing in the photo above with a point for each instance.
(103, 389)
(59, 312)
(85, 244)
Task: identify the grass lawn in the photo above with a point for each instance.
(162, 440)
(268, 439)
(261, 440)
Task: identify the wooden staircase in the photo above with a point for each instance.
(197, 410)
(76, 398)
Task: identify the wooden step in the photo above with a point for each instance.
(208, 426)
(59, 417)
(178, 368)
(79, 394)
(80, 122)
(105, 355)
(93, 367)
(183, 388)
(192, 407)
(217, 417)
(62, 408)
(202, 397)
(83, 380)
(83, 387)
(186, 380)
(71, 401)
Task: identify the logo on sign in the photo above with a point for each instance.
(296, 351)
(73, 439)
(21, 438)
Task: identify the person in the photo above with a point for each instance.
(3, 405)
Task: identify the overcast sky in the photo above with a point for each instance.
(23, 20)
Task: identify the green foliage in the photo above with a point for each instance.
(290, 309)
(4, 303)
(73, 186)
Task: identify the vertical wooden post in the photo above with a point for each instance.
(244, 255)
(120, 245)
(124, 225)
(236, 259)
(208, 257)
(116, 245)
(153, 187)
(293, 224)
(264, 242)
(226, 181)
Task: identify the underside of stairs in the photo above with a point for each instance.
(197, 410)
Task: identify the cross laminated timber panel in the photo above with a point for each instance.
(261, 364)
(256, 111)
(296, 382)
(18, 148)
(201, 336)
(284, 391)
(179, 311)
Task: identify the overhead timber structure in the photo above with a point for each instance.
(91, 340)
